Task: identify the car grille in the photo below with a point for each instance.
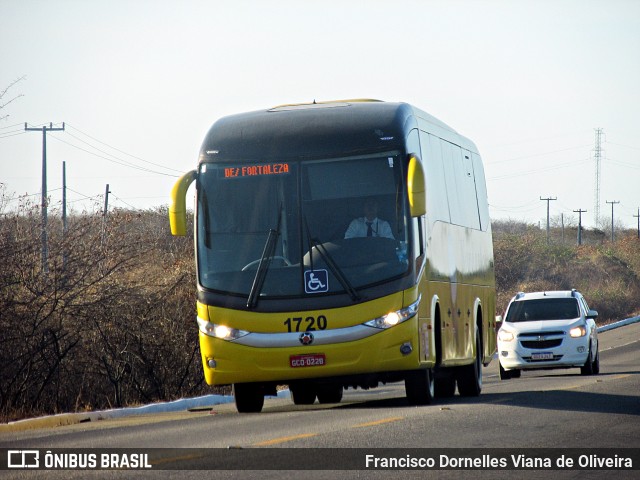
(541, 344)
(541, 340)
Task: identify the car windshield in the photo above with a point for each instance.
(543, 309)
(284, 229)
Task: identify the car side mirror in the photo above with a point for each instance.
(498, 322)
(592, 314)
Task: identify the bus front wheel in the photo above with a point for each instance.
(419, 386)
(249, 397)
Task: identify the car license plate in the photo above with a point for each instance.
(542, 356)
(308, 360)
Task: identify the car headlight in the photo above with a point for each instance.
(505, 336)
(220, 331)
(578, 332)
(394, 318)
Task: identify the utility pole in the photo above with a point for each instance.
(549, 199)
(580, 212)
(104, 212)
(106, 201)
(612, 204)
(64, 198)
(64, 215)
(43, 235)
(638, 217)
(598, 158)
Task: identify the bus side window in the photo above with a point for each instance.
(418, 236)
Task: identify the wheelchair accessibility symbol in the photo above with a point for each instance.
(316, 281)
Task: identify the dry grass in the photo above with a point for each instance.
(607, 274)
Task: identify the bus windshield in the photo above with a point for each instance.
(292, 229)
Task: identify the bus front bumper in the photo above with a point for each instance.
(313, 355)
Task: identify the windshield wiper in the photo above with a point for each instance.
(263, 266)
(333, 266)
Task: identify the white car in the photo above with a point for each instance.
(543, 330)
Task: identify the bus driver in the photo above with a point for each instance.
(369, 225)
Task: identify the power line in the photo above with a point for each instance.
(11, 126)
(117, 149)
(541, 170)
(116, 160)
(537, 154)
(12, 133)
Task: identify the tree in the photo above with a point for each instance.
(4, 102)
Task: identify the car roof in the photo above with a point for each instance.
(548, 294)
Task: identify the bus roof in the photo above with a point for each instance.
(319, 130)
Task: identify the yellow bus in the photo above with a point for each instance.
(340, 244)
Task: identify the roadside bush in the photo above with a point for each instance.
(112, 323)
(608, 274)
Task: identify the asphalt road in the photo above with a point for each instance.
(541, 410)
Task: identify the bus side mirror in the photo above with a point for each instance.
(178, 207)
(416, 187)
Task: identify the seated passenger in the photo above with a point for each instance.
(369, 225)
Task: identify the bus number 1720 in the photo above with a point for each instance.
(306, 324)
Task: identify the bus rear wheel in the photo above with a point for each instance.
(420, 386)
(445, 387)
(470, 376)
(249, 397)
(330, 393)
(303, 394)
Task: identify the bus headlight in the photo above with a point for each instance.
(220, 331)
(394, 318)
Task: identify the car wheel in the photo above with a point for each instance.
(516, 373)
(587, 368)
(419, 386)
(504, 374)
(596, 362)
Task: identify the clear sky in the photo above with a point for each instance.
(139, 83)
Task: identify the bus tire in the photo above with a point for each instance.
(303, 394)
(419, 386)
(249, 397)
(330, 393)
(470, 376)
(445, 387)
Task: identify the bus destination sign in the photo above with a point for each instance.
(256, 170)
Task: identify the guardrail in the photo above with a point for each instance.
(621, 323)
